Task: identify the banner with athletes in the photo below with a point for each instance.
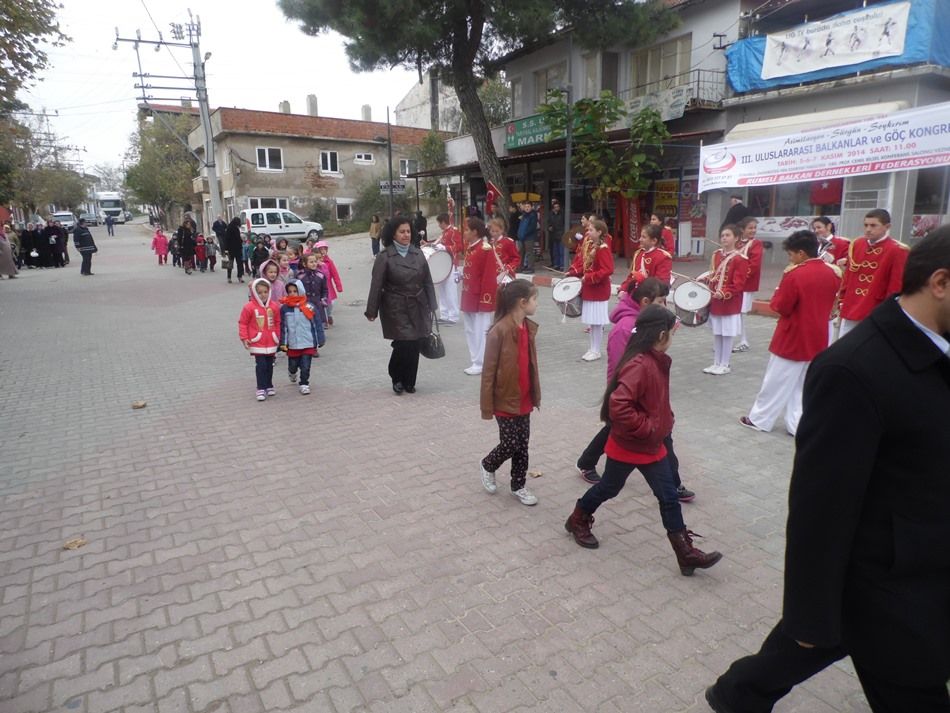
(846, 39)
(902, 141)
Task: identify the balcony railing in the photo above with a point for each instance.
(706, 88)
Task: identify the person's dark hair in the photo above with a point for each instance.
(510, 294)
(879, 214)
(650, 288)
(388, 233)
(478, 225)
(925, 258)
(804, 240)
(652, 322)
(442, 218)
(654, 231)
(284, 241)
(736, 196)
(732, 228)
(741, 225)
(235, 222)
(659, 216)
(375, 218)
(825, 221)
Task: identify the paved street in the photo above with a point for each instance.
(336, 552)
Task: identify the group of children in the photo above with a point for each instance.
(206, 250)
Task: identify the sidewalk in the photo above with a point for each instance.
(336, 552)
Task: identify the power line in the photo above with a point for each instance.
(155, 24)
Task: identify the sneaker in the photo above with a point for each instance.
(590, 475)
(261, 395)
(525, 496)
(488, 479)
(684, 495)
(720, 370)
(473, 370)
(740, 348)
(747, 422)
(272, 391)
(304, 389)
(591, 356)
(293, 377)
(711, 369)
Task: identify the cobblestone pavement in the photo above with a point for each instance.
(336, 552)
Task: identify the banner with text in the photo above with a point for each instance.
(902, 141)
(846, 39)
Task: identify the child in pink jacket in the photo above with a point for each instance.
(160, 247)
(334, 284)
(259, 330)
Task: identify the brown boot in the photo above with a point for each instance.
(688, 557)
(578, 524)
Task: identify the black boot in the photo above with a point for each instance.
(688, 557)
(579, 524)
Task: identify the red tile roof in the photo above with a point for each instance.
(249, 121)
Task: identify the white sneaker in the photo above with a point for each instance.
(711, 369)
(720, 370)
(272, 391)
(304, 389)
(525, 496)
(473, 370)
(293, 378)
(261, 395)
(488, 479)
(591, 356)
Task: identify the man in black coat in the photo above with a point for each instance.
(867, 565)
(86, 246)
(737, 211)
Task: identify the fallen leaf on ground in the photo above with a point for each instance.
(138, 404)
(535, 473)
(75, 543)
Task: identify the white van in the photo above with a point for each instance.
(279, 223)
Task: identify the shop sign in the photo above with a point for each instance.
(670, 103)
(528, 131)
(902, 141)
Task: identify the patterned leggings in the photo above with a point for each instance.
(513, 435)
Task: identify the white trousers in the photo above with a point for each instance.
(476, 327)
(781, 391)
(847, 325)
(447, 293)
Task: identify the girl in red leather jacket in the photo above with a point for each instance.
(637, 409)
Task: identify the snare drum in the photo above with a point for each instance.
(691, 303)
(440, 264)
(567, 295)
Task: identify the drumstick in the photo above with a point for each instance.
(553, 270)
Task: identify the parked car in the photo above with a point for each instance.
(90, 218)
(279, 224)
(66, 219)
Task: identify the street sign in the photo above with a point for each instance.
(399, 186)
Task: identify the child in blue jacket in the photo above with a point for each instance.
(298, 333)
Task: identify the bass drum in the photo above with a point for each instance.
(691, 303)
(440, 264)
(567, 296)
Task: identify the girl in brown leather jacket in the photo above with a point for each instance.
(510, 385)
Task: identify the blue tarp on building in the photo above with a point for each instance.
(927, 41)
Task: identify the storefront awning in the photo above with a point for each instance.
(815, 120)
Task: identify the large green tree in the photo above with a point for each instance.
(26, 28)
(463, 40)
(160, 168)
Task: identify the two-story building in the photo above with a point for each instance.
(280, 160)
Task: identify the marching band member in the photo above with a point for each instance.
(730, 271)
(448, 290)
(508, 258)
(667, 237)
(594, 265)
(751, 249)
(874, 269)
(650, 260)
(478, 290)
(804, 299)
(833, 250)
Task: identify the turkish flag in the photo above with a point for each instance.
(827, 192)
(490, 198)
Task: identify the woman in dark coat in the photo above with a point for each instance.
(403, 296)
(233, 247)
(187, 242)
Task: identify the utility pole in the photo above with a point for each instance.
(389, 151)
(198, 86)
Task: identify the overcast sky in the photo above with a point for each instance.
(258, 59)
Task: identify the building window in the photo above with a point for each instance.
(329, 162)
(591, 83)
(226, 160)
(553, 77)
(364, 158)
(661, 67)
(343, 211)
(517, 109)
(270, 159)
(258, 203)
(407, 166)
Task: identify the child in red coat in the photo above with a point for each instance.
(259, 330)
(730, 270)
(595, 266)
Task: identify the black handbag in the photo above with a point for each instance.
(431, 347)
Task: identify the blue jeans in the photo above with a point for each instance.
(264, 369)
(301, 362)
(658, 477)
(557, 253)
(595, 449)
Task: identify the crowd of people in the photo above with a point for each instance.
(44, 247)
